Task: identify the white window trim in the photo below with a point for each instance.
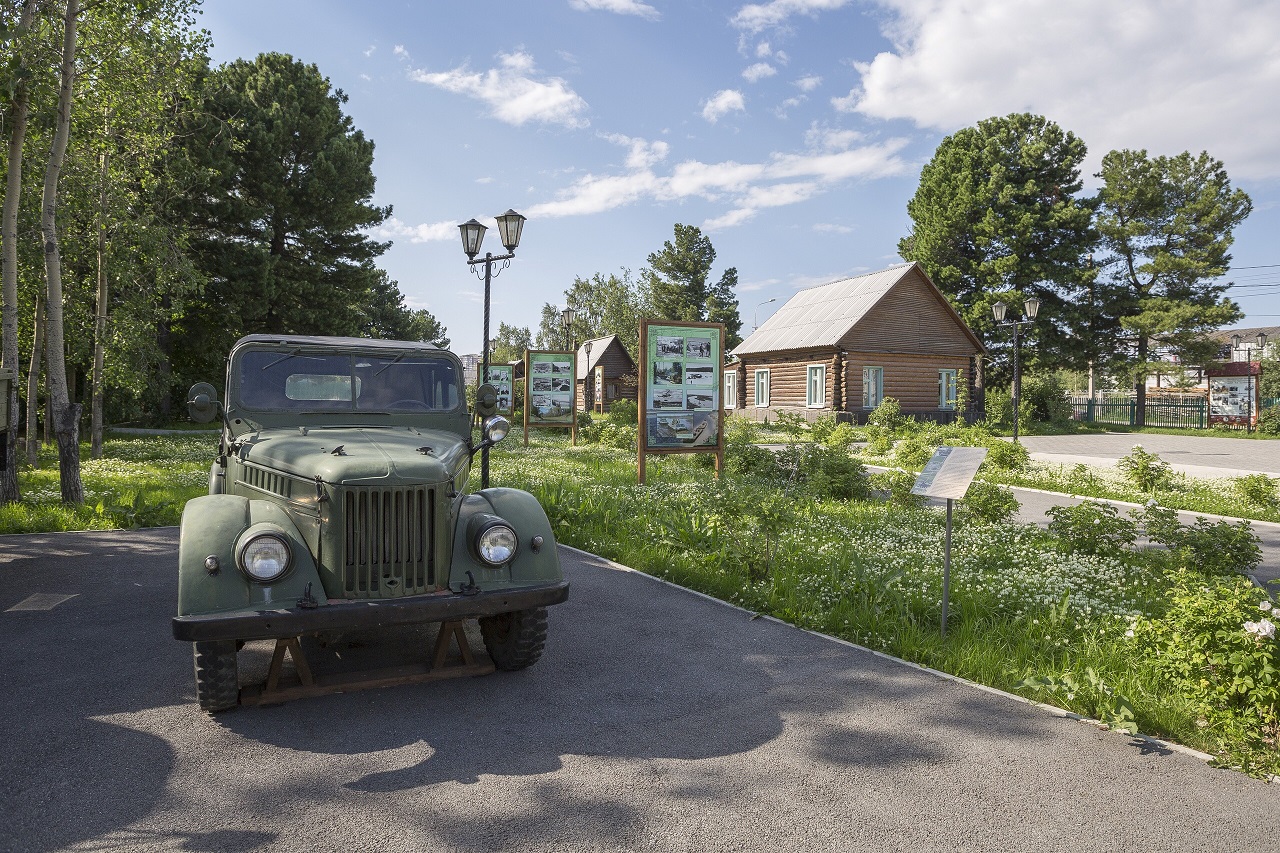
(944, 404)
(809, 402)
(879, 386)
(762, 404)
(730, 389)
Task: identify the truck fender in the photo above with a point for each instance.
(529, 520)
(209, 577)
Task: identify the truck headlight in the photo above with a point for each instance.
(266, 557)
(496, 428)
(496, 543)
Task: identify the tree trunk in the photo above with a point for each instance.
(33, 385)
(100, 316)
(66, 414)
(1140, 389)
(16, 121)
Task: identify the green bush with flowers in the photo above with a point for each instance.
(1216, 643)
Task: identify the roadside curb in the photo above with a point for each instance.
(1051, 709)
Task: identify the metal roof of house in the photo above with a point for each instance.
(587, 363)
(821, 316)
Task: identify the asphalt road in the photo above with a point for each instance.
(657, 720)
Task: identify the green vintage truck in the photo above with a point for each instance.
(338, 501)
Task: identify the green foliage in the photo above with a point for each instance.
(997, 214)
(742, 456)
(1102, 700)
(988, 503)
(1258, 489)
(1166, 226)
(822, 427)
(1145, 470)
(1005, 456)
(1092, 527)
(624, 412)
(879, 440)
(826, 472)
(888, 414)
(912, 453)
(1269, 419)
(603, 305)
(840, 438)
(677, 282)
(999, 410)
(1046, 394)
(793, 424)
(1208, 547)
(510, 344)
(1216, 643)
(895, 486)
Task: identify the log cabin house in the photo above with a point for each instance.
(619, 378)
(845, 346)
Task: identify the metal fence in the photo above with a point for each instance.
(1187, 411)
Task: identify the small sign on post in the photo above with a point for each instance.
(947, 475)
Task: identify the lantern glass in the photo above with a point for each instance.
(472, 236)
(1032, 307)
(1235, 342)
(567, 316)
(510, 224)
(998, 310)
(1262, 339)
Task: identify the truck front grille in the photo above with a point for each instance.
(388, 542)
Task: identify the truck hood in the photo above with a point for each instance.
(359, 455)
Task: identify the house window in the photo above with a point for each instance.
(762, 389)
(872, 386)
(731, 389)
(947, 388)
(816, 394)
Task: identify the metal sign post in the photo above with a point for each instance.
(948, 475)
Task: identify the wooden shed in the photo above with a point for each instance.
(845, 346)
(617, 376)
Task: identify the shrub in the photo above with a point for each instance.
(1006, 455)
(822, 428)
(1145, 470)
(989, 503)
(895, 487)
(829, 473)
(624, 413)
(1257, 489)
(999, 413)
(888, 415)
(911, 453)
(1208, 547)
(623, 437)
(1269, 421)
(793, 424)
(841, 438)
(1216, 645)
(1046, 396)
(879, 441)
(742, 456)
(1092, 527)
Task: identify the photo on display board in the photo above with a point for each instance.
(699, 374)
(541, 384)
(698, 348)
(669, 346)
(561, 368)
(668, 398)
(702, 401)
(542, 368)
(695, 429)
(668, 373)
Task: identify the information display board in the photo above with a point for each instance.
(680, 380)
(550, 391)
(949, 472)
(500, 376)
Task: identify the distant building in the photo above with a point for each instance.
(845, 346)
(606, 373)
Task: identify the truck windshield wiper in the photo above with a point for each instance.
(284, 357)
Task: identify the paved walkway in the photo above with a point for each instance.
(1194, 455)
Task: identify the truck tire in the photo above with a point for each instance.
(217, 675)
(515, 640)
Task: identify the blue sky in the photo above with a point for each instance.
(791, 131)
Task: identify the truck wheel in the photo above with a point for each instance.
(515, 640)
(217, 676)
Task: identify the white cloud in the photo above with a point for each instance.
(757, 72)
(819, 137)
(721, 103)
(643, 153)
(755, 17)
(1165, 75)
(784, 108)
(512, 93)
(832, 228)
(763, 50)
(808, 84)
(748, 187)
(621, 7)
(400, 50)
(394, 229)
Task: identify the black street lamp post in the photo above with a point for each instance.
(566, 317)
(510, 224)
(1032, 307)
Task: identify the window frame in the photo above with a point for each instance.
(809, 402)
(945, 403)
(871, 370)
(730, 389)
(762, 372)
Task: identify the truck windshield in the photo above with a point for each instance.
(322, 382)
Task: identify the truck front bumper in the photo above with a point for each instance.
(347, 615)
